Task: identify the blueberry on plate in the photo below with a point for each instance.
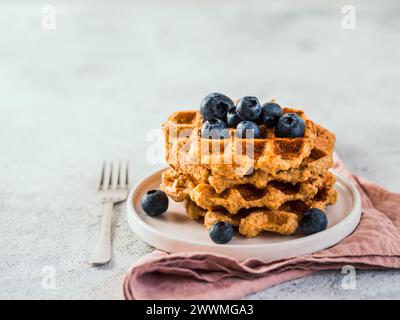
(214, 129)
(215, 106)
(232, 119)
(154, 202)
(313, 221)
(290, 125)
(221, 232)
(248, 108)
(270, 114)
(248, 130)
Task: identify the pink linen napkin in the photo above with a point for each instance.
(374, 244)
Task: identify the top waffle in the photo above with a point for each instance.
(233, 156)
(319, 160)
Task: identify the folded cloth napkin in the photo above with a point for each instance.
(375, 244)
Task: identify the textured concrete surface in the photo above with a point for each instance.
(93, 88)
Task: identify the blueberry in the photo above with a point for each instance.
(215, 106)
(248, 108)
(313, 221)
(154, 203)
(221, 232)
(232, 119)
(271, 112)
(290, 125)
(214, 129)
(248, 130)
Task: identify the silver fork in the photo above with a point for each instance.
(113, 188)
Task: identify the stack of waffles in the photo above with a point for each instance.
(255, 185)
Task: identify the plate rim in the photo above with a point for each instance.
(354, 214)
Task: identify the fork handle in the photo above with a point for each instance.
(102, 251)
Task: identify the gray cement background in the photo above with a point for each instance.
(112, 70)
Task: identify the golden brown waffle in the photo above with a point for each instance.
(256, 185)
(282, 222)
(319, 160)
(252, 222)
(180, 187)
(234, 156)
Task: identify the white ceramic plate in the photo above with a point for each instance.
(174, 231)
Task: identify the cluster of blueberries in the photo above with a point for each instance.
(220, 113)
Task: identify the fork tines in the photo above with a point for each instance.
(114, 177)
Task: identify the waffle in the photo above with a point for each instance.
(319, 161)
(180, 187)
(255, 185)
(250, 223)
(234, 156)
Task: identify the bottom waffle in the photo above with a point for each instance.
(251, 222)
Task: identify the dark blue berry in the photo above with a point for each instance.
(248, 108)
(271, 112)
(221, 232)
(154, 203)
(248, 130)
(215, 106)
(232, 119)
(214, 129)
(313, 221)
(290, 125)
